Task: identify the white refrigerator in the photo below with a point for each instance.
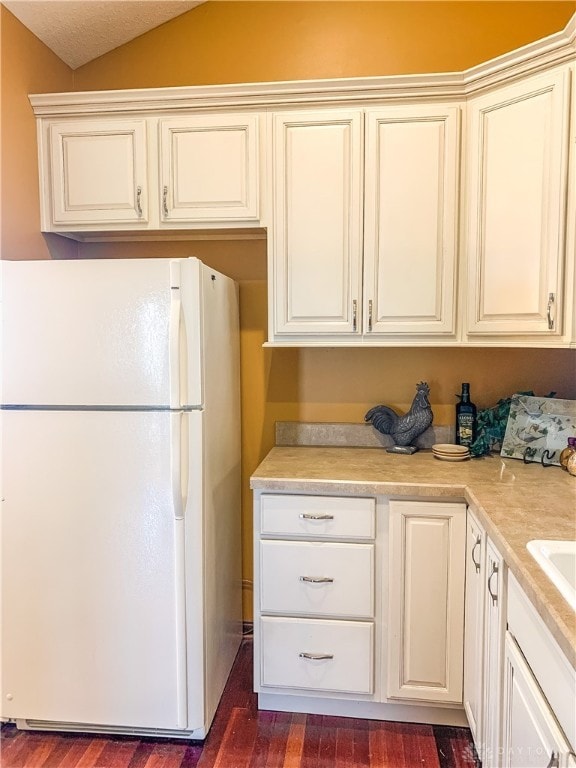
(120, 526)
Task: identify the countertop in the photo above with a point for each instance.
(515, 502)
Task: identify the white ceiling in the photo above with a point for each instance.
(81, 30)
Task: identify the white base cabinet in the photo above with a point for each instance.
(332, 601)
(485, 623)
(426, 616)
(532, 738)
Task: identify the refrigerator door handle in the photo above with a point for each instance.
(177, 341)
(178, 463)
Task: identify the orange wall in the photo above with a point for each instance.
(230, 42)
(257, 41)
(27, 66)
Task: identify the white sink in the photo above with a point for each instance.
(558, 561)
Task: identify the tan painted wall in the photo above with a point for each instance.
(234, 42)
(26, 66)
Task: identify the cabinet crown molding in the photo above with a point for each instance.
(553, 50)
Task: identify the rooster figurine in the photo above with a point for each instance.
(403, 429)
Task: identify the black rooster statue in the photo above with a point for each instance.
(403, 429)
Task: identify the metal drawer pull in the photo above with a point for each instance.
(370, 316)
(476, 564)
(316, 656)
(308, 516)
(165, 201)
(494, 573)
(317, 579)
(554, 760)
(551, 298)
(354, 315)
(138, 203)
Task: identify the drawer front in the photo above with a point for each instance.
(319, 578)
(325, 516)
(317, 655)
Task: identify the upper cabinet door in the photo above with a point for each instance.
(516, 179)
(209, 168)
(411, 216)
(316, 238)
(97, 172)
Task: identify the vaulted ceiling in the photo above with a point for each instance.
(78, 31)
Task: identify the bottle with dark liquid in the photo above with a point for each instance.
(465, 418)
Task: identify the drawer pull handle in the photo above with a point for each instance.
(317, 579)
(309, 516)
(493, 595)
(316, 656)
(476, 563)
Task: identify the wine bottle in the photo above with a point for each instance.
(465, 418)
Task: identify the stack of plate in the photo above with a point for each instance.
(449, 452)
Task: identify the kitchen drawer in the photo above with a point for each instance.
(290, 649)
(321, 578)
(326, 516)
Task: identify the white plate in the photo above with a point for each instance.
(450, 449)
(451, 458)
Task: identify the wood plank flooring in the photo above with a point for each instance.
(243, 737)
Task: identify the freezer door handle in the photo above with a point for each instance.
(179, 462)
(177, 340)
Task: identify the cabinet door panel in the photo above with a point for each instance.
(209, 168)
(532, 738)
(411, 219)
(494, 629)
(517, 167)
(98, 172)
(474, 626)
(426, 627)
(317, 235)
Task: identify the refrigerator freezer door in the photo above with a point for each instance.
(102, 332)
(93, 622)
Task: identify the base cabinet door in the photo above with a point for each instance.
(426, 609)
(474, 625)
(489, 746)
(517, 170)
(532, 737)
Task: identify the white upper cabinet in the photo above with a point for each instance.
(209, 168)
(517, 171)
(113, 174)
(411, 219)
(364, 223)
(316, 239)
(97, 173)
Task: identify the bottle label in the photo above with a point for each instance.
(465, 428)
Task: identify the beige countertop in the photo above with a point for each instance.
(515, 502)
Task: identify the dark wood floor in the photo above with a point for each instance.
(243, 737)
